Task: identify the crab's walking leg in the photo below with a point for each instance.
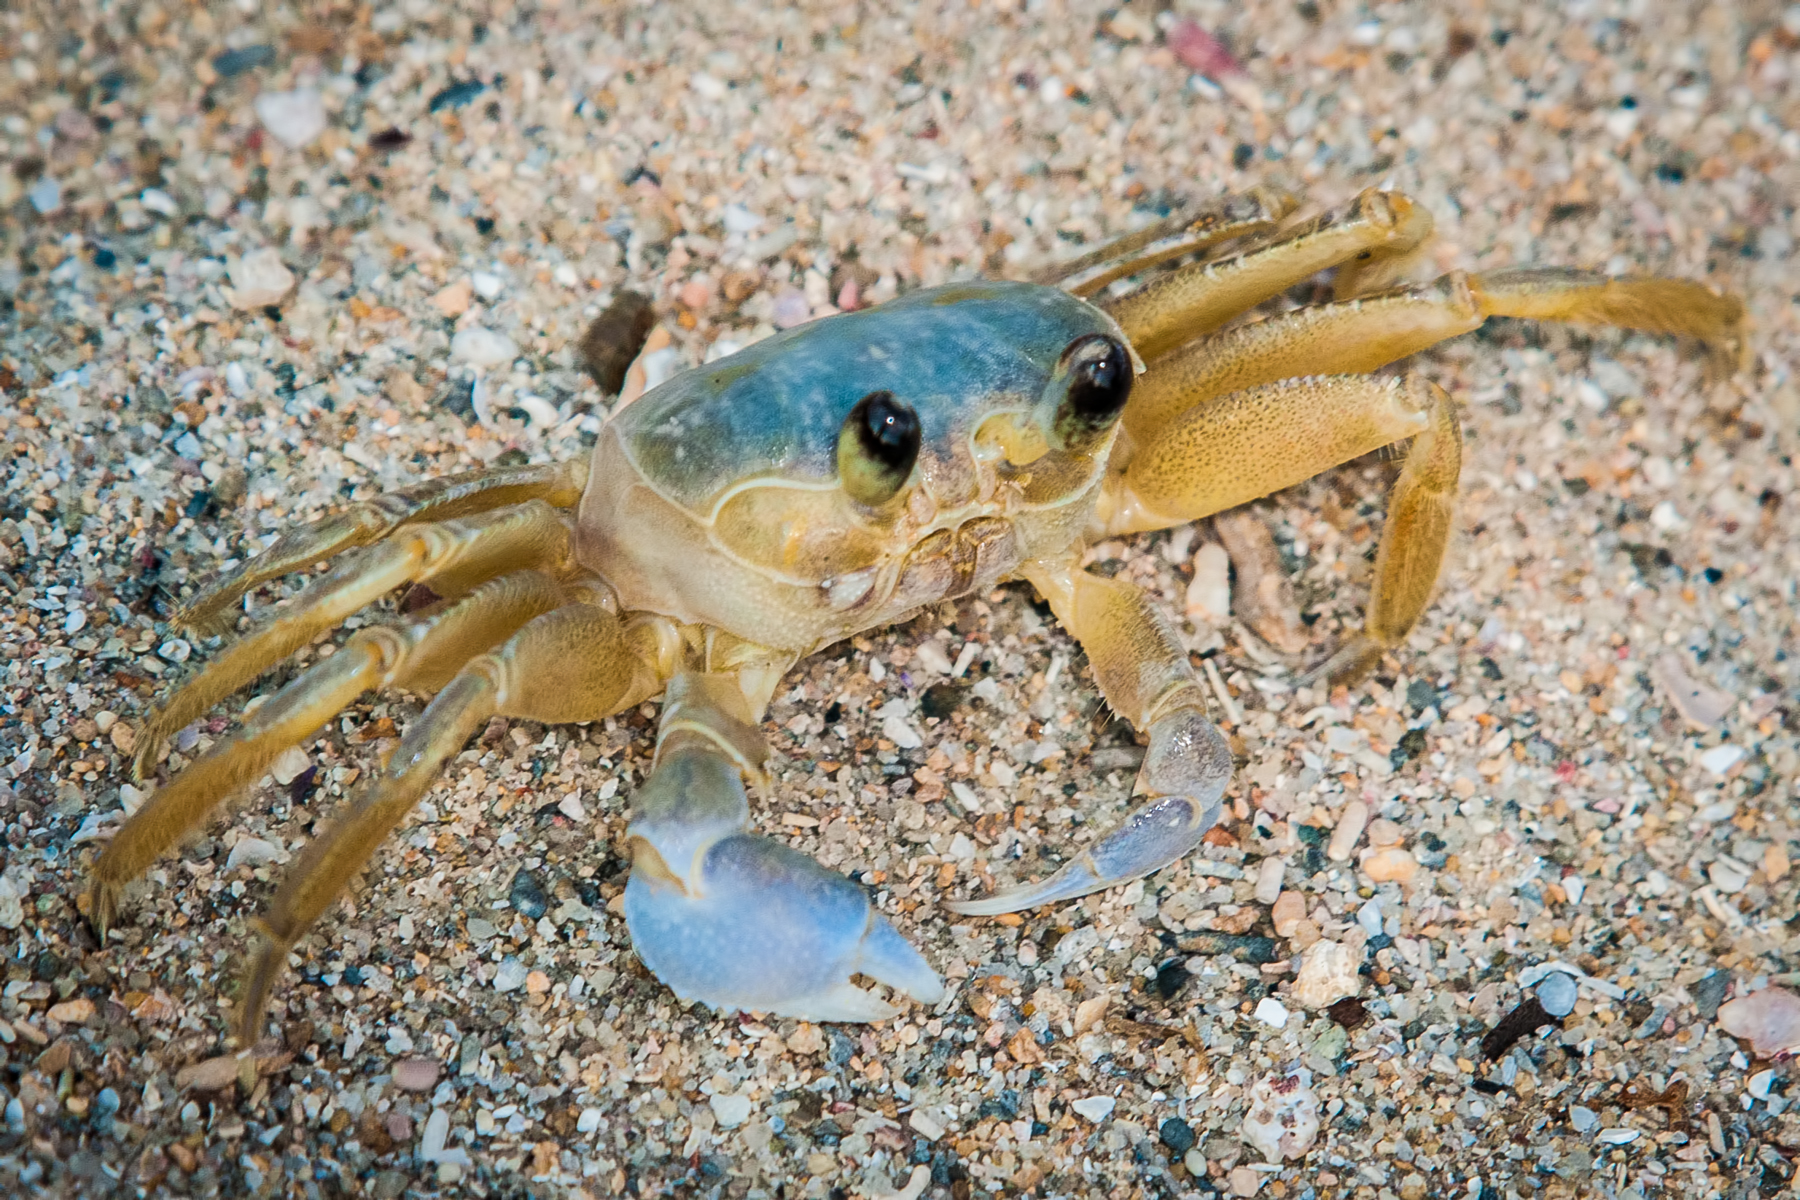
(453, 555)
(559, 484)
(1231, 217)
(738, 921)
(1351, 337)
(1144, 674)
(420, 655)
(1182, 305)
(571, 664)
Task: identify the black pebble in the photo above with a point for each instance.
(1709, 993)
(1420, 695)
(389, 139)
(1177, 1135)
(842, 1049)
(247, 58)
(1171, 977)
(353, 976)
(614, 339)
(456, 95)
(105, 259)
(941, 699)
(527, 896)
(458, 398)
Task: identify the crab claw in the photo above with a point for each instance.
(738, 921)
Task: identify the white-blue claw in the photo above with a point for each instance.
(738, 921)
(1186, 770)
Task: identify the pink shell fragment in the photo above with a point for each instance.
(1200, 51)
(1769, 1020)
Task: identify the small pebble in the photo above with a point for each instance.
(45, 195)
(258, 279)
(454, 299)
(1709, 992)
(1271, 1012)
(527, 896)
(1094, 1108)
(1390, 864)
(251, 850)
(1349, 828)
(1288, 912)
(1244, 1181)
(1268, 880)
(1760, 1084)
(416, 1074)
(1556, 992)
(1177, 1135)
(510, 976)
(1582, 1119)
(1327, 975)
(295, 119)
(731, 1110)
(289, 765)
(245, 58)
(482, 347)
(487, 286)
(1722, 758)
(1209, 592)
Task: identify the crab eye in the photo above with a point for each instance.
(877, 448)
(1095, 375)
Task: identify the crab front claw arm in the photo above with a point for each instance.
(1144, 674)
(738, 921)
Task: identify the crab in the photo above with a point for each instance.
(837, 478)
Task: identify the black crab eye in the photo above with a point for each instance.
(877, 448)
(1096, 374)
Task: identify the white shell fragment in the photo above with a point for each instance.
(293, 118)
(1094, 1108)
(1327, 975)
(482, 347)
(731, 1111)
(1209, 594)
(1283, 1121)
(1769, 1020)
(258, 279)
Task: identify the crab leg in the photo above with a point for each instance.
(560, 484)
(454, 555)
(414, 655)
(1229, 218)
(571, 664)
(1144, 674)
(1376, 227)
(738, 921)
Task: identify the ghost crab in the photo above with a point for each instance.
(837, 478)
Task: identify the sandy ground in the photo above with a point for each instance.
(1585, 754)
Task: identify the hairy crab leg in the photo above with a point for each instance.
(455, 555)
(559, 484)
(1194, 300)
(571, 664)
(1144, 674)
(1227, 219)
(738, 921)
(420, 655)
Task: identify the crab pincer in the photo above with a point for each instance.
(738, 921)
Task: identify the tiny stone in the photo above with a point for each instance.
(259, 279)
(288, 765)
(1177, 1135)
(1209, 592)
(1709, 993)
(1271, 1012)
(1094, 1108)
(791, 309)
(293, 118)
(1327, 975)
(415, 1074)
(731, 1110)
(482, 347)
(1288, 912)
(1556, 992)
(589, 1120)
(45, 195)
(1383, 832)
(1244, 1181)
(537, 983)
(1268, 880)
(1721, 758)
(527, 896)
(511, 975)
(251, 850)
(1349, 829)
(1390, 864)
(1583, 1119)
(486, 285)
(454, 300)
